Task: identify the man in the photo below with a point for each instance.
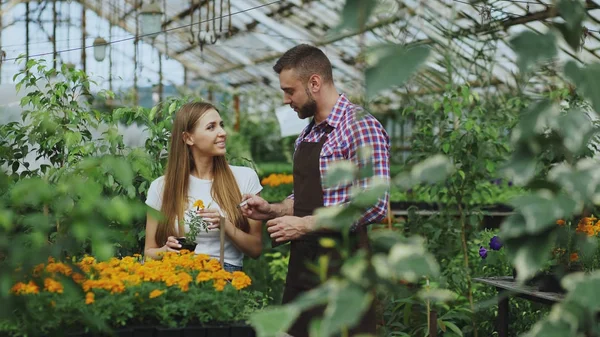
(335, 133)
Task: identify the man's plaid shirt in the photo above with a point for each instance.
(349, 133)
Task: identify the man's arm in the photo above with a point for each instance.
(368, 132)
(286, 207)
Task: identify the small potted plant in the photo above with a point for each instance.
(196, 223)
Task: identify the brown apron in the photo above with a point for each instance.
(308, 196)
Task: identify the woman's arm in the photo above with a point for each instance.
(249, 243)
(151, 249)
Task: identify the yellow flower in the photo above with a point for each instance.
(219, 285)
(276, 179)
(89, 298)
(25, 288)
(240, 280)
(53, 286)
(199, 204)
(204, 276)
(155, 293)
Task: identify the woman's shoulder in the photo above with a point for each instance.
(158, 182)
(242, 171)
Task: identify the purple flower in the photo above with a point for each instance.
(482, 252)
(495, 243)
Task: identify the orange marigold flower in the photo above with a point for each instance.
(52, 286)
(155, 293)
(560, 222)
(199, 204)
(89, 298)
(240, 280)
(574, 257)
(219, 285)
(25, 288)
(204, 276)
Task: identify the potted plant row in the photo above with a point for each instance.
(182, 294)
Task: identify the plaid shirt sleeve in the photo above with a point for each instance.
(368, 132)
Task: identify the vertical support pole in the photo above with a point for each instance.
(135, 52)
(433, 329)
(236, 108)
(502, 314)
(1, 50)
(160, 78)
(83, 35)
(110, 48)
(54, 19)
(26, 33)
(185, 76)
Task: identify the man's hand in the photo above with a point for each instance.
(256, 207)
(287, 227)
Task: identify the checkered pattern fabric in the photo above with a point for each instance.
(351, 130)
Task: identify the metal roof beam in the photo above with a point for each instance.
(93, 6)
(325, 42)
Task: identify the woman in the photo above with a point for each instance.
(197, 170)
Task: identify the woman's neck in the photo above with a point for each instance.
(203, 168)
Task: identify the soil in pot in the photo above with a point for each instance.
(185, 245)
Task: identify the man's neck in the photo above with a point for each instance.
(329, 100)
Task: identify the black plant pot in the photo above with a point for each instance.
(194, 331)
(184, 245)
(217, 331)
(169, 332)
(143, 331)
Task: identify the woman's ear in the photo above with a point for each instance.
(187, 139)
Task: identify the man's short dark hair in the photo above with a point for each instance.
(306, 60)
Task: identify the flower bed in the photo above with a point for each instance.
(179, 290)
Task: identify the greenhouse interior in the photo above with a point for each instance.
(342, 168)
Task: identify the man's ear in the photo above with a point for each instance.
(314, 83)
(187, 139)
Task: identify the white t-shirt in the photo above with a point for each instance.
(199, 189)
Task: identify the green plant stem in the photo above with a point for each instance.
(463, 237)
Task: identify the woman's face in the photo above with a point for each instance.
(208, 137)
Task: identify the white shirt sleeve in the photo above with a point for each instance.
(253, 185)
(154, 197)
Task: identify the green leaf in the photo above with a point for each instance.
(530, 253)
(454, 328)
(522, 165)
(406, 260)
(337, 217)
(446, 147)
(355, 15)
(587, 81)
(341, 172)
(532, 48)
(573, 11)
(432, 170)
(172, 107)
(583, 289)
(368, 197)
(438, 295)
(347, 304)
(396, 60)
(269, 322)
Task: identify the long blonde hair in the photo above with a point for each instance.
(225, 190)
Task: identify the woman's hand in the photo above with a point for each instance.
(172, 245)
(212, 216)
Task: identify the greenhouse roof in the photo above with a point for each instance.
(469, 40)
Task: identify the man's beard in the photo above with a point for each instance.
(309, 109)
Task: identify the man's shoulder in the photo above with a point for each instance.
(356, 117)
